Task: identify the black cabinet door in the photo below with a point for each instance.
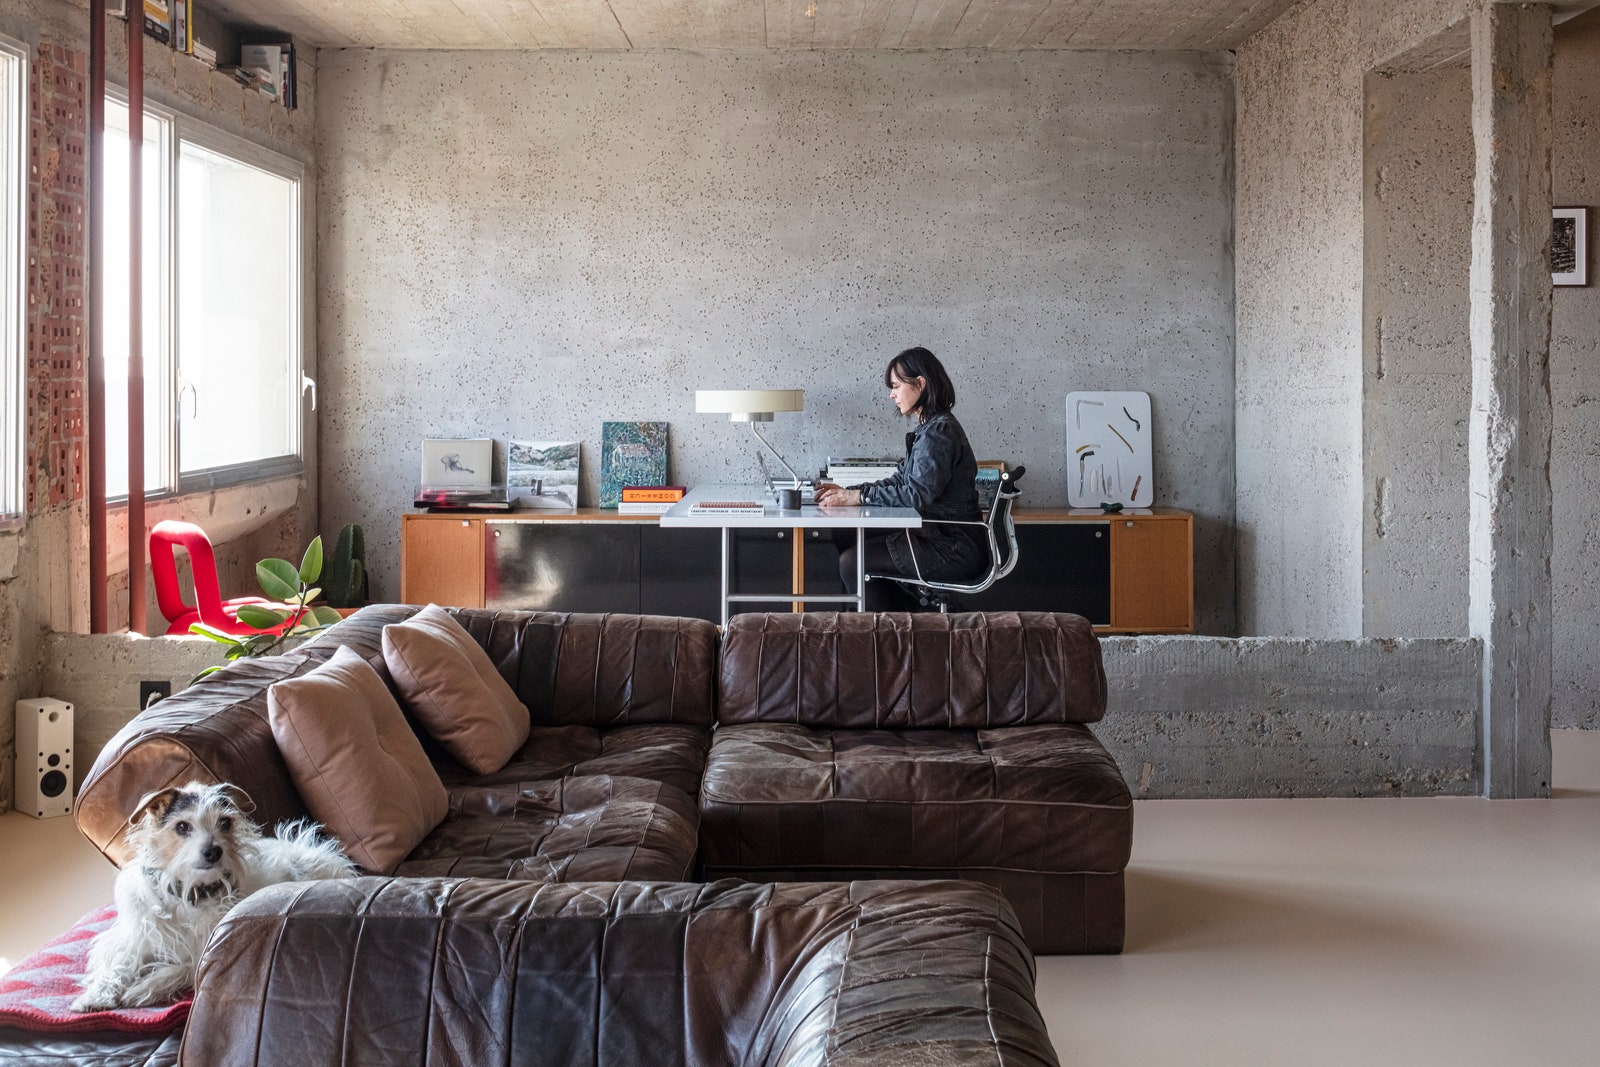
(680, 572)
(1062, 566)
(562, 566)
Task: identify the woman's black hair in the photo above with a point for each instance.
(938, 395)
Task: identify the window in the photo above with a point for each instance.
(222, 306)
(13, 196)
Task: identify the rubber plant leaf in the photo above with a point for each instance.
(278, 579)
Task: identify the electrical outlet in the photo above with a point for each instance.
(152, 691)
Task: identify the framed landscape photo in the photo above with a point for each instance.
(1569, 246)
(543, 474)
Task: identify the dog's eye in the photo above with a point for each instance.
(225, 824)
(181, 828)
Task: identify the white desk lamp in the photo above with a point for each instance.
(752, 406)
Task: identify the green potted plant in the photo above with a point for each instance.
(294, 588)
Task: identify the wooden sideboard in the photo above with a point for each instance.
(1128, 573)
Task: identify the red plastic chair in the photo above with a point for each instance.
(209, 607)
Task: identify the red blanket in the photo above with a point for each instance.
(37, 994)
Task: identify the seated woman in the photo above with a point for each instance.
(938, 478)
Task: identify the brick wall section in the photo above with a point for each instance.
(58, 245)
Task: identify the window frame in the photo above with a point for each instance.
(187, 128)
(14, 58)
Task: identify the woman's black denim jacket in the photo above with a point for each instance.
(939, 478)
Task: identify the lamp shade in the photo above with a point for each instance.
(748, 405)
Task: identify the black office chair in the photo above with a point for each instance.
(1002, 534)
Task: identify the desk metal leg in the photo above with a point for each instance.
(861, 568)
(727, 576)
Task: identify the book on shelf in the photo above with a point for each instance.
(183, 26)
(158, 20)
(644, 507)
(273, 62)
(727, 507)
(653, 494)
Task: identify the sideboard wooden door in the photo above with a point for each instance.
(441, 560)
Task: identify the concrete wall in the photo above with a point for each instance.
(1418, 373)
(1575, 387)
(525, 245)
(1281, 717)
(1299, 221)
(1417, 366)
(44, 557)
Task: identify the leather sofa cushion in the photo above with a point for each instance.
(355, 760)
(575, 669)
(671, 754)
(447, 681)
(590, 828)
(1027, 798)
(975, 670)
(446, 971)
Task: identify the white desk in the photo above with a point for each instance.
(773, 517)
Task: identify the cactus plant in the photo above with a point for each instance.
(346, 580)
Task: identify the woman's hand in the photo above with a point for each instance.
(833, 496)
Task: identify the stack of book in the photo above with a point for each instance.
(855, 470)
(650, 499)
(273, 69)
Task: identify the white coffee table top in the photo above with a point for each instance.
(772, 516)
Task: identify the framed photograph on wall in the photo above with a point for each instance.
(1569, 246)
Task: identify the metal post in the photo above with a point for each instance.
(861, 568)
(136, 551)
(96, 429)
(727, 581)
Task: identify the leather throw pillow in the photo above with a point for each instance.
(454, 690)
(355, 760)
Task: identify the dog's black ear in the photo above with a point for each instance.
(154, 805)
(240, 798)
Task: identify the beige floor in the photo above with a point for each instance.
(1293, 932)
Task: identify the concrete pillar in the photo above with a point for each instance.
(1509, 436)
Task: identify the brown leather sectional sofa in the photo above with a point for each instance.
(835, 750)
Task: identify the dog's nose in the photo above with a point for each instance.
(213, 853)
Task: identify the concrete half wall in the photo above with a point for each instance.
(1280, 717)
(525, 245)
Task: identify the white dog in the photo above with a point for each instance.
(196, 854)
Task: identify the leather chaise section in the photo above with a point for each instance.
(618, 975)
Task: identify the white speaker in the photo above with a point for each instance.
(44, 757)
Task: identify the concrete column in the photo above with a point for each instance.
(1509, 436)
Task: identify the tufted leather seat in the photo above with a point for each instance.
(586, 828)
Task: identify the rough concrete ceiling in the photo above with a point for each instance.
(776, 24)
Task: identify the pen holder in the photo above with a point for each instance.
(789, 499)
